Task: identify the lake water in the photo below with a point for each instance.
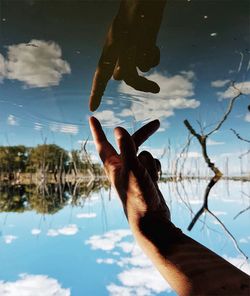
(86, 247)
(74, 240)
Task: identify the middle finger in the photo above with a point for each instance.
(145, 132)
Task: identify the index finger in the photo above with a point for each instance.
(103, 72)
(103, 147)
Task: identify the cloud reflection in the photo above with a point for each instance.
(138, 275)
(37, 64)
(176, 92)
(243, 87)
(247, 117)
(8, 239)
(70, 229)
(64, 128)
(86, 215)
(12, 120)
(30, 285)
(35, 231)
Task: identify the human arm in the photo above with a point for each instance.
(189, 267)
(130, 43)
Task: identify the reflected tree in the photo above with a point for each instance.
(13, 160)
(202, 139)
(13, 199)
(47, 200)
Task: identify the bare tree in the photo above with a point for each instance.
(242, 139)
(202, 139)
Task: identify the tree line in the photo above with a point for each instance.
(44, 159)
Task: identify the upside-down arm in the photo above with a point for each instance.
(130, 44)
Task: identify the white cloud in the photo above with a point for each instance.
(52, 232)
(126, 247)
(176, 92)
(86, 215)
(37, 64)
(211, 142)
(191, 154)
(115, 290)
(243, 87)
(240, 263)
(30, 285)
(70, 229)
(219, 213)
(64, 128)
(195, 201)
(161, 129)
(35, 231)
(137, 258)
(139, 276)
(2, 68)
(247, 117)
(220, 83)
(106, 261)
(243, 241)
(12, 120)
(108, 118)
(108, 240)
(147, 278)
(38, 126)
(8, 239)
(109, 102)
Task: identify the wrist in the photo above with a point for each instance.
(157, 228)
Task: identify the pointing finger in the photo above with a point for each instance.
(103, 147)
(104, 71)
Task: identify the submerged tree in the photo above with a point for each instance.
(13, 199)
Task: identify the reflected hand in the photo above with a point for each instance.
(134, 177)
(130, 43)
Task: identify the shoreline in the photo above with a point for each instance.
(38, 179)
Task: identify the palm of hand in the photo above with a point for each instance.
(134, 178)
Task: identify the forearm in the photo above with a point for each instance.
(189, 267)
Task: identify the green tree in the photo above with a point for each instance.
(48, 158)
(13, 159)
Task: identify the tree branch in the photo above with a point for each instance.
(238, 136)
(229, 109)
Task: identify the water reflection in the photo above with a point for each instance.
(47, 198)
(91, 236)
(53, 209)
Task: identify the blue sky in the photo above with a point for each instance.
(48, 57)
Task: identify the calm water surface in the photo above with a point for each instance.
(75, 240)
(88, 249)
